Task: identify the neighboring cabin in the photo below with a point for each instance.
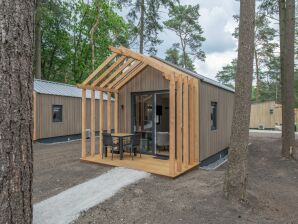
(57, 109)
(267, 115)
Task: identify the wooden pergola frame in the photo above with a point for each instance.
(117, 70)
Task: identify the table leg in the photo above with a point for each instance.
(121, 147)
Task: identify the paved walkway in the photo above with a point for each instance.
(65, 207)
(267, 133)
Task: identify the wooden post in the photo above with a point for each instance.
(83, 123)
(101, 100)
(185, 123)
(197, 120)
(109, 113)
(172, 126)
(191, 123)
(34, 116)
(116, 102)
(92, 120)
(179, 124)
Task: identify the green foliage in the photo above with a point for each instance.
(184, 21)
(66, 49)
(144, 19)
(173, 55)
(228, 73)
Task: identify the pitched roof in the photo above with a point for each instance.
(62, 89)
(196, 75)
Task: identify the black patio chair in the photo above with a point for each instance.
(108, 142)
(135, 144)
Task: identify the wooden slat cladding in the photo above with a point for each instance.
(148, 79)
(213, 141)
(72, 114)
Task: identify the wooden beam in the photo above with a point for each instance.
(116, 103)
(83, 123)
(92, 120)
(95, 72)
(120, 69)
(191, 123)
(123, 75)
(130, 76)
(179, 123)
(109, 113)
(197, 119)
(34, 116)
(111, 68)
(96, 88)
(172, 126)
(185, 123)
(161, 66)
(100, 123)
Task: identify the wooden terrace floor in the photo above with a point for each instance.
(146, 163)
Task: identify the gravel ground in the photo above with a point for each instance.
(57, 168)
(196, 197)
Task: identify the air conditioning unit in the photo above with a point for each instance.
(88, 133)
(261, 127)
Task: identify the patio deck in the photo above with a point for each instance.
(146, 163)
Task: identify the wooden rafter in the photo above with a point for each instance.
(96, 71)
(97, 88)
(120, 69)
(123, 75)
(111, 68)
(167, 69)
(131, 75)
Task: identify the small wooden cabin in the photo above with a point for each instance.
(266, 115)
(57, 109)
(161, 101)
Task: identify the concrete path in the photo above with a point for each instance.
(267, 133)
(65, 207)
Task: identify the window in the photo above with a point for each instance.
(57, 113)
(213, 115)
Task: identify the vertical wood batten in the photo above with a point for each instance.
(109, 113)
(185, 123)
(172, 126)
(197, 120)
(191, 123)
(179, 124)
(101, 100)
(92, 120)
(116, 102)
(83, 123)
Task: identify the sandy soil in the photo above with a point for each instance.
(196, 197)
(57, 168)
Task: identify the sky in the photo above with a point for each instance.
(218, 25)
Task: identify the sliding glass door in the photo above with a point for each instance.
(150, 118)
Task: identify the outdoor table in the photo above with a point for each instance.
(121, 136)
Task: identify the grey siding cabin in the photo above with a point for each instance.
(57, 109)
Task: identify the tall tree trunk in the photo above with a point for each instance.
(16, 67)
(287, 38)
(257, 77)
(236, 173)
(37, 37)
(142, 24)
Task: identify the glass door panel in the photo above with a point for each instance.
(143, 121)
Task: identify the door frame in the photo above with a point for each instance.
(153, 94)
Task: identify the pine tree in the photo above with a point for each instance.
(236, 172)
(184, 21)
(16, 67)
